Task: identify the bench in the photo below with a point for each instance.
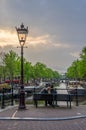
(54, 98)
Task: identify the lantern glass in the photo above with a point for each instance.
(22, 34)
(22, 38)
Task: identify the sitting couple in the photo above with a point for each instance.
(49, 89)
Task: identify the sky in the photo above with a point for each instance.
(57, 30)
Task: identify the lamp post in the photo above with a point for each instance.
(22, 34)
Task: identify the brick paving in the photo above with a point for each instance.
(44, 112)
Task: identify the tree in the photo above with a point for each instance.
(39, 69)
(11, 68)
(28, 71)
(78, 67)
(83, 62)
(42, 71)
(72, 71)
(83, 54)
(10, 63)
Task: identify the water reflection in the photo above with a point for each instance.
(62, 89)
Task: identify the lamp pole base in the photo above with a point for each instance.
(22, 100)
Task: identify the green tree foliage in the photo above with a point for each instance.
(10, 63)
(83, 54)
(83, 63)
(78, 67)
(12, 68)
(28, 71)
(41, 71)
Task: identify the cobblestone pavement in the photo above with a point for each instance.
(42, 112)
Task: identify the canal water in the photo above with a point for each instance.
(62, 89)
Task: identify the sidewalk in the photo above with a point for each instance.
(43, 113)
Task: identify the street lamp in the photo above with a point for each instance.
(22, 34)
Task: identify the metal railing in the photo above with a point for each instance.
(79, 95)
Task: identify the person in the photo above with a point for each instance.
(53, 92)
(45, 89)
(49, 89)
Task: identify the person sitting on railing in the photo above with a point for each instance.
(45, 89)
(49, 89)
(53, 92)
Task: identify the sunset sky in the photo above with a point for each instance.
(57, 30)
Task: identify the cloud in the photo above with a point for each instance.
(35, 41)
(57, 30)
(61, 45)
(7, 38)
(75, 54)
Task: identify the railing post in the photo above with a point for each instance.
(2, 99)
(12, 97)
(34, 91)
(76, 94)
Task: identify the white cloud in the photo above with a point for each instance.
(75, 54)
(43, 39)
(61, 45)
(8, 38)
